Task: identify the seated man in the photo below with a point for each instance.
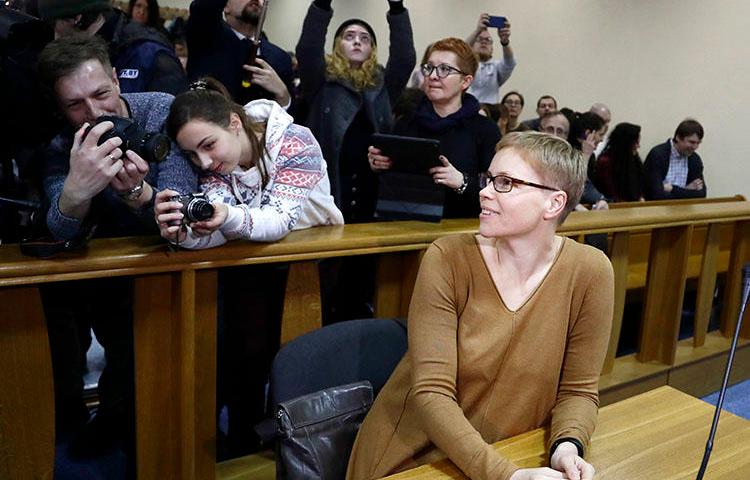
(545, 104)
(491, 73)
(673, 169)
(103, 186)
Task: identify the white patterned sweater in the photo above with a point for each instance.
(298, 193)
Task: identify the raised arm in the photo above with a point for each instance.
(402, 56)
(311, 47)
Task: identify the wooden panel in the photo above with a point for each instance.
(706, 284)
(205, 381)
(705, 376)
(302, 307)
(665, 288)
(657, 435)
(27, 405)
(394, 283)
(740, 254)
(619, 259)
(165, 355)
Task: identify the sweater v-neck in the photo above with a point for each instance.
(536, 289)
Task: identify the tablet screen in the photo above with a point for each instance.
(409, 154)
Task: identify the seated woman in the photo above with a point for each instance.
(508, 330)
(619, 169)
(586, 132)
(514, 102)
(449, 114)
(264, 175)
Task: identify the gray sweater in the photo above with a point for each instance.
(108, 212)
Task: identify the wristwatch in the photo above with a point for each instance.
(460, 190)
(133, 193)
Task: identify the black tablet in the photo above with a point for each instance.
(409, 154)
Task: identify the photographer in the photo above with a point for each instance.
(110, 187)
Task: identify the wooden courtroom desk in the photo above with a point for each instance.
(175, 318)
(657, 435)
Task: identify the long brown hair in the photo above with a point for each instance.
(209, 100)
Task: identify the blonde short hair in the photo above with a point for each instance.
(557, 162)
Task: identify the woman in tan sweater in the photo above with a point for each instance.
(507, 332)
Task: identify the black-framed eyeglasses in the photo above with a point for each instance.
(442, 70)
(503, 183)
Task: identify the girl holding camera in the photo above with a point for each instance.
(264, 175)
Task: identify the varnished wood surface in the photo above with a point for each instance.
(144, 255)
(656, 435)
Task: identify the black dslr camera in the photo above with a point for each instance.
(152, 147)
(195, 207)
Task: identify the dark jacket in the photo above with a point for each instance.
(335, 104)
(216, 51)
(656, 167)
(467, 139)
(144, 59)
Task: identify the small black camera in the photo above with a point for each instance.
(152, 147)
(195, 207)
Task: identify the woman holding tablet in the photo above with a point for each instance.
(449, 114)
(508, 330)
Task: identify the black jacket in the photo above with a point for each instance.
(216, 51)
(656, 167)
(144, 59)
(467, 139)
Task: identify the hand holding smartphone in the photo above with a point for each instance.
(496, 22)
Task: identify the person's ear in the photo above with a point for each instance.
(115, 80)
(466, 82)
(555, 204)
(235, 124)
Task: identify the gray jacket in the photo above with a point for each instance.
(334, 103)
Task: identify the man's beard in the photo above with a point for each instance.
(250, 15)
(483, 57)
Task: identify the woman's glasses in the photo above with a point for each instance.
(442, 70)
(503, 183)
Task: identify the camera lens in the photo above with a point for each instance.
(156, 146)
(198, 210)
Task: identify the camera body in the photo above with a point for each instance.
(195, 207)
(151, 146)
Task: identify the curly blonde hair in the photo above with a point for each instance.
(339, 68)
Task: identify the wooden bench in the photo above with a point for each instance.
(175, 319)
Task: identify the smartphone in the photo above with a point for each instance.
(496, 22)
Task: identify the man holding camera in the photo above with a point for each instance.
(96, 178)
(491, 73)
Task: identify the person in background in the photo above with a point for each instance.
(673, 169)
(491, 73)
(586, 132)
(545, 104)
(351, 96)
(265, 176)
(483, 304)
(107, 191)
(449, 114)
(144, 59)
(619, 170)
(218, 37)
(146, 12)
(514, 102)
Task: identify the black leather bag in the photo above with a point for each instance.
(316, 432)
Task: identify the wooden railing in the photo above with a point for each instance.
(175, 317)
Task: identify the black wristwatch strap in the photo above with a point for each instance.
(557, 443)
